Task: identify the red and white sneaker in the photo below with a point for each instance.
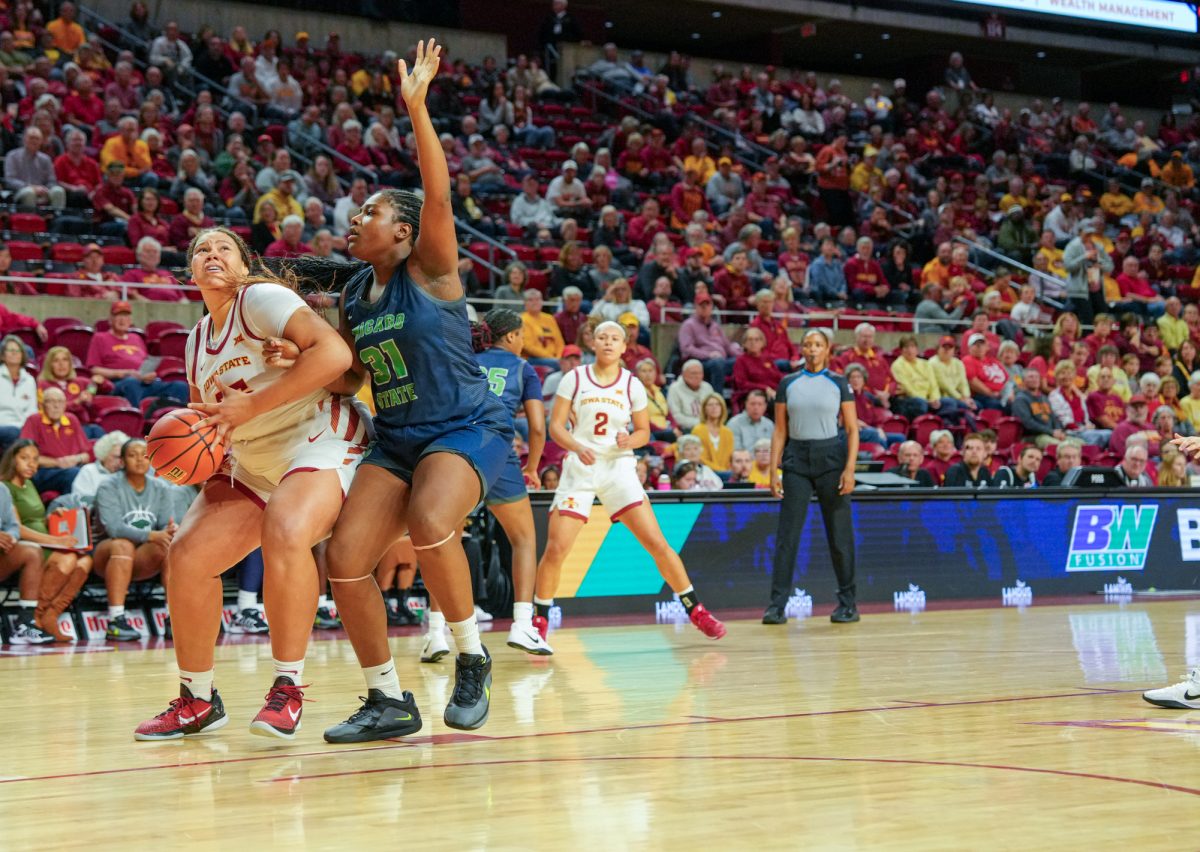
(184, 716)
(707, 623)
(280, 716)
(542, 625)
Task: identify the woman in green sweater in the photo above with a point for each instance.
(65, 570)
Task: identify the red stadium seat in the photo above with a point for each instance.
(25, 250)
(76, 338)
(539, 279)
(924, 426)
(118, 255)
(103, 402)
(170, 364)
(127, 420)
(53, 324)
(1008, 431)
(872, 450)
(66, 252)
(991, 416)
(155, 329)
(895, 424)
(168, 206)
(29, 337)
(27, 223)
(173, 343)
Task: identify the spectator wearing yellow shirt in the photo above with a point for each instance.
(760, 471)
(1145, 201)
(1174, 329)
(68, 35)
(129, 150)
(1191, 403)
(1177, 173)
(951, 373)
(282, 197)
(918, 384)
(1053, 255)
(1015, 195)
(1114, 202)
(543, 338)
(699, 160)
(716, 439)
(937, 270)
(860, 176)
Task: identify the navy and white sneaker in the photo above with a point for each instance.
(249, 621)
(27, 633)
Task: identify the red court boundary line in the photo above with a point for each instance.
(1091, 776)
(453, 739)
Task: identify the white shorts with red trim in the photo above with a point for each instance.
(325, 443)
(614, 481)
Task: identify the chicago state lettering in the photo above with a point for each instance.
(387, 322)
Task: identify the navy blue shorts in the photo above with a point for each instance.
(509, 487)
(485, 441)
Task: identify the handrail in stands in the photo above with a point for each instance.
(1033, 274)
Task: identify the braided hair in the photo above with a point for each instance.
(407, 208)
(502, 321)
(481, 337)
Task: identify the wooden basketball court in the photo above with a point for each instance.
(965, 729)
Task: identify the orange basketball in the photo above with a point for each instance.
(180, 455)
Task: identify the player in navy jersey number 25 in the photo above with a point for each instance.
(441, 437)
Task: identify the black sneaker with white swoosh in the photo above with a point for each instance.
(379, 718)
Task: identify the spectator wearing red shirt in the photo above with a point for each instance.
(570, 317)
(833, 181)
(83, 106)
(76, 172)
(113, 201)
(91, 270)
(777, 345)
(148, 271)
(979, 325)
(687, 197)
(11, 321)
(754, 369)
(636, 352)
(645, 225)
(58, 371)
(763, 208)
(289, 243)
(1102, 327)
(864, 352)
(117, 355)
(985, 373)
(62, 445)
(865, 278)
(190, 221)
(663, 306)
(793, 261)
(733, 284)
(1136, 293)
(1135, 423)
(145, 221)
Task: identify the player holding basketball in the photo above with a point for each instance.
(607, 406)
(441, 437)
(1184, 695)
(294, 450)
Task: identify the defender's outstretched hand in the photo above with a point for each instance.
(414, 84)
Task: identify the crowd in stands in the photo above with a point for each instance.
(1042, 263)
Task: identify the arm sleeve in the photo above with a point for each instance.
(266, 308)
(844, 388)
(531, 385)
(108, 506)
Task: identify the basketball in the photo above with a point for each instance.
(180, 455)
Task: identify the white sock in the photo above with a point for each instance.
(466, 636)
(437, 621)
(114, 611)
(28, 604)
(247, 600)
(198, 683)
(293, 671)
(384, 678)
(522, 613)
(323, 602)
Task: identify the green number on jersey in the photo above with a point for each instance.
(497, 379)
(374, 358)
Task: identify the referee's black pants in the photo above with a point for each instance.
(814, 467)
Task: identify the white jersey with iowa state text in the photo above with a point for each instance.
(235, 356)
(600, 411)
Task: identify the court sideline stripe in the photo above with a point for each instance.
(459, 738)
(1091, 776)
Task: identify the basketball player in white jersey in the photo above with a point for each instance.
(292, 451)
(606, 405)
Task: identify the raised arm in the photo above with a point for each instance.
(436, 251)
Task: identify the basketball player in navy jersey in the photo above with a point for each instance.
(441, 437)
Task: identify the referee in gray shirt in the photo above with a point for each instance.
(815, 457)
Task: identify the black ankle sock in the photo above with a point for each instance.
(542, 609)
(689, 600)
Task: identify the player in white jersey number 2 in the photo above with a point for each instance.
(606, 405)
(294, 448)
